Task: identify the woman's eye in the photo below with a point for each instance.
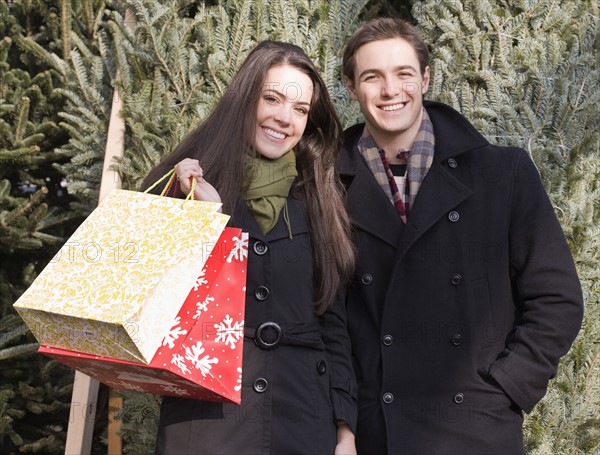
(270, 99)
(302, 110)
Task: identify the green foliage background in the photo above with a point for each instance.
(524, 71)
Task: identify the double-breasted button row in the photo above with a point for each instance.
(366, 279)
(388, 398)
(260, 248)
(260, 385)
(261, 293)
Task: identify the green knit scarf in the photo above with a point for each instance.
(268, 188)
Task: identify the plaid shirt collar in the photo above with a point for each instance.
(419, 161)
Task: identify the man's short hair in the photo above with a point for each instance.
(384, 28)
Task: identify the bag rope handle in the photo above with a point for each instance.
(171, 175)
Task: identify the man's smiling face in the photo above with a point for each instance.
(389, 87)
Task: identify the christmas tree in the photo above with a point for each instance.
(35, 212)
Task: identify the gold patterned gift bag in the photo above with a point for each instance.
(116, 285)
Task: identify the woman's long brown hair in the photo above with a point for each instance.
(222, 141)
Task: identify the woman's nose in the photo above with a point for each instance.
(283, 114)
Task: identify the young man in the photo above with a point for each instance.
(466, 295)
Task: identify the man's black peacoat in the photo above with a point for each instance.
(458, 318)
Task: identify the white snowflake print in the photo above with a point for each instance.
(132, 387)
(200, 280)
(137, 377)
(175, 390)
(101, 366)
(95, 372)
(179, 362)
(174, 334)
(203, 364)
(203, 306)
(240, 250)
(228, 333)
(238, 386)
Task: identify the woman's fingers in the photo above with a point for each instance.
(206, 192)
(189, 169)
(186, 169)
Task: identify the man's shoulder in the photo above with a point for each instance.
(349, 159)
(456, 133)
(352, 135)
(447, 121)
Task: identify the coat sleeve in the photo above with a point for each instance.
(546, 289)
(342, 382)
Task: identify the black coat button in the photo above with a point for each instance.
(321, 367)
(261, 293)
(260, 248)
(452, 163)
(456, 279)
(457, 339)
(453, 216)
(260, 385)
(388, 398)
(459, 398)
(388, 340)
(366, 279)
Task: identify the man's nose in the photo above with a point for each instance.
(390, 87)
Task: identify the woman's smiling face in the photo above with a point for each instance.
(282, 110)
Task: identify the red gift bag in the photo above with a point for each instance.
(201, 356)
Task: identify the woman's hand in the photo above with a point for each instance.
(345, 440)
(188, 169)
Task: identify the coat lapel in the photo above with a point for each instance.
(439, 193)
(369, 207)
(245, 219)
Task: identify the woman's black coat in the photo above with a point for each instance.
(290, 401)
(458, 318)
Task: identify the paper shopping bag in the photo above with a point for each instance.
(201, 355)
(117, 283)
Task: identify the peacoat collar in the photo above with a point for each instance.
(440, 192)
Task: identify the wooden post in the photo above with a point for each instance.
(115, 406)
(85, 389)
(82, 416)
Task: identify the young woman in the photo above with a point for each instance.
(267, 152)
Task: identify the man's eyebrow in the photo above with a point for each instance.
(397, 68)
(282, 95)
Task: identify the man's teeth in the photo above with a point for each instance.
(274, 134)
(393, 107)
